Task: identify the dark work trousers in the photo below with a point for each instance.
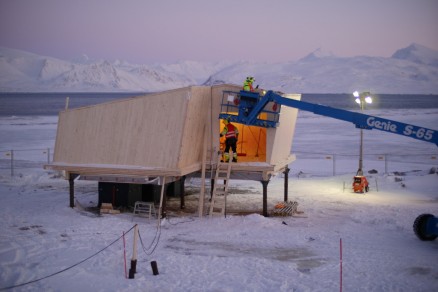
(231, 143)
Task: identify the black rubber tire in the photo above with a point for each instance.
(420, 224)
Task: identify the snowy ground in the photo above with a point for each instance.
(45, 242)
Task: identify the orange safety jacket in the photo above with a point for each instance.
(230, 131)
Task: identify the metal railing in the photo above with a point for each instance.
(307, 163)
(15, 159)
(326, 164)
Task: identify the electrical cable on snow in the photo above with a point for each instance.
(155, 241)
(124, 254)
(180, 222)
(68, 268)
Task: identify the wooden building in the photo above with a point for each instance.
(164, 136)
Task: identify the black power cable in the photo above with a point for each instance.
(68, 268)
(154, 241)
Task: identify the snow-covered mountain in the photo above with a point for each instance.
(22, 71)
(410, 70)
(417, 54)
(413, 69)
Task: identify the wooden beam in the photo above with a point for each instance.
(162, 209)
(124, 170)
(204, 159)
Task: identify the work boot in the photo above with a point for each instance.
(234, 159)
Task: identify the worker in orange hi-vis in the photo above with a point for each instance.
(231, 134)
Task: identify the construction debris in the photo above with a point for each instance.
(286, 209)
(107, 208)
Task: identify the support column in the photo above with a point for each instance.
(71, 182)
(182, 192)
(286, 183)
(265, 197)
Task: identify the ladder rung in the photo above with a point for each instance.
(217, 210)
(218, 204)
(223, 171)
(221, 192)
(222, 166)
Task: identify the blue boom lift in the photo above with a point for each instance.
(252, 108)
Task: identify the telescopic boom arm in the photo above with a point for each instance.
(252, 104)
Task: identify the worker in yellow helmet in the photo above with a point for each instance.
(247, 85)
(231, 134)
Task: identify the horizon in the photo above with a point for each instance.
(87, 58)
(145, 32)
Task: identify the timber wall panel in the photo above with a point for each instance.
(198, 109)
(280, 139)
(141, 131)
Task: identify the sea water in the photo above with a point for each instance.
(47, 104)
(28, 123)
(43, 104)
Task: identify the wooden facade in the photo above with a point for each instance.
(163, 135)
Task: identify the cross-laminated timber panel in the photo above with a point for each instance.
(280, 139)
(196, 126)
(151, 131)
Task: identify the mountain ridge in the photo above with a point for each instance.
(413, 69)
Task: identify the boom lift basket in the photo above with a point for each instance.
(237, 107)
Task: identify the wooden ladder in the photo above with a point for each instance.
(220, 187)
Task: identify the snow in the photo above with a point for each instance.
(409, 70)
(43, 238)
(418, 54)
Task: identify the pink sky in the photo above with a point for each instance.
(147, 31)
